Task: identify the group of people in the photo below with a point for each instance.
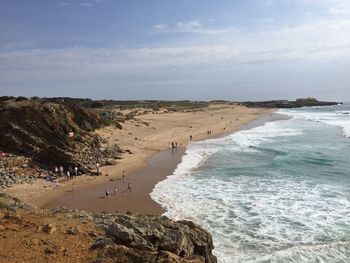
(71, 173)
(209, 132)
(115, 189)
(173, 145)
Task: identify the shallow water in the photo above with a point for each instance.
(275, 193)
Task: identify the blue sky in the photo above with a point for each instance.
(184, 49)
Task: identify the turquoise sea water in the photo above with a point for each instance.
(275, 193)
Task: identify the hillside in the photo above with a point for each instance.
(52, 133)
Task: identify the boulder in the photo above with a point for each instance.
(182, 241)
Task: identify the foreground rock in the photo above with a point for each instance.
(153, 239)
(68, 235)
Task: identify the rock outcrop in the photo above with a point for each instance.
(153, 239)
(52, 133)
(70, 235)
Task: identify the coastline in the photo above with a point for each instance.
(144, 171)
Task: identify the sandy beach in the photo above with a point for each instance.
(148, 137)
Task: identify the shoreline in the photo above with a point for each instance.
(141, 167)
(157, 168)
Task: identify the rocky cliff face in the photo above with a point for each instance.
(40, 129)
(62, 235)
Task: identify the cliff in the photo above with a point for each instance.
(61, 235)
(52, 133)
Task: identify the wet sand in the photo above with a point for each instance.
(138, 200)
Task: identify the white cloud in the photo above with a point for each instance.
(193, 24)
(341, 9)
(305, 47)
(160, 27)
(314, 41)
(87, 3)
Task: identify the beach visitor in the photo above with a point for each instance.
(56, 170)
(73, 187)
(123, 175)
(76, 171)
(97, 168)
(68, 175)
(56, 183)
(172, 145)
(107, 192)
(191, 137)
(175, 144)
(129, 187)
(61, 170)
(115, 189)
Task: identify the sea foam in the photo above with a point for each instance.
(267, 194)
(339, 118)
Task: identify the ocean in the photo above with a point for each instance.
(279, 192)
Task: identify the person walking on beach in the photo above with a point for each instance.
(129, 187)
(115, 190)
(56, 170)
(175, 144)
(106, 192)
(68, 175)
(191, 137)
(73, 187)
(123, 175)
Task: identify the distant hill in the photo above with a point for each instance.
(304, 102)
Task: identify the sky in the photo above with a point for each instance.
(174, 50)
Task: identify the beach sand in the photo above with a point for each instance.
(149, 138)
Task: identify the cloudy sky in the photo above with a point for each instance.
(183, 49)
